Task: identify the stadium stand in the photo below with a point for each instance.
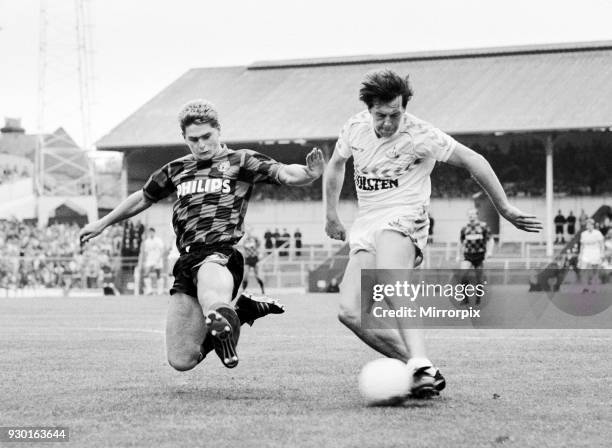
(519, 168)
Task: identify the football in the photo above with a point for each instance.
(385, 382)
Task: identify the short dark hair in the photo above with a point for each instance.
(384, 85)
(198, 112)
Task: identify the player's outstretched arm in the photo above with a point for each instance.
(132, 205)
(333, 178)
(298, 175)
(480, 169)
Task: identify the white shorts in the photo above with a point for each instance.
(411, 224)
(153, 269)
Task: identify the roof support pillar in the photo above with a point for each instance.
(327, 153)
(124, 175)
(549, 146)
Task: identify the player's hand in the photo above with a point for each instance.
(335, 229)
(521, 220)
(315, 162)
(90, 231)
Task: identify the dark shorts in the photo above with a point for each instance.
(558, 229)
(251, 261)
(186, 267)
(475, 260)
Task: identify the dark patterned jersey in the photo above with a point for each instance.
(211, 195)
(474, 237)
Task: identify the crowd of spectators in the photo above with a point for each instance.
(52, 257)
(283, 241)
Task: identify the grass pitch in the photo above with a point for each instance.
(97, 366)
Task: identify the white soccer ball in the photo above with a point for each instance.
(385, 381)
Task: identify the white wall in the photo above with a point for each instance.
(449, 214)
(17, 200)
(15, 190)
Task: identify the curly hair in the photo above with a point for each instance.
(198, 112)
(384, 85)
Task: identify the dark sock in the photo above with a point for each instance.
(239, 312)
(261, 285)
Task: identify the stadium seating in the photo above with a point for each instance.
(520, 170)
(35, 257)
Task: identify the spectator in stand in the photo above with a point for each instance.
(286, 242)
(571, 225)
(132, 238)
(297, 236)
(559, 228)
(268, 243)
(46, 257)
(277, 239)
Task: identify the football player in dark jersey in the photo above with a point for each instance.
(250, 247)
(213, 185)
(474, 244)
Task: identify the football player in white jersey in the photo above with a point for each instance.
(393, 154)
(591, 252)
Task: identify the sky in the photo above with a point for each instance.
(139, 47)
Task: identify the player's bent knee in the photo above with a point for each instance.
(210, 296)
(183, 363)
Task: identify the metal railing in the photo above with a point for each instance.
(284, 266)
(292, 270)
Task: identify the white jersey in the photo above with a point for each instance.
(153, 252)
(393, 171)
(591, 242)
